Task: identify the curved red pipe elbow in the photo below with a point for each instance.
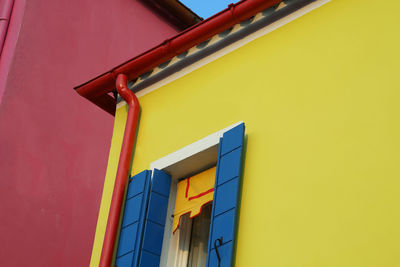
(121, 179)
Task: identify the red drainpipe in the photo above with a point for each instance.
(122, 171)
(5, 15)
(97, 91)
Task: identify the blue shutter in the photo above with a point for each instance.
(155, 220)
(133, 220)
(226, 197)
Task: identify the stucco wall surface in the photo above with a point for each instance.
(319, 97)
(53, 143)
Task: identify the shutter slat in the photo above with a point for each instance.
(125, 260)
(223, 226)
(233, 139)
(227, 196)
(149, 259)
(225, 252)
(155, 213)
(127, 239)
(230, 165)
(132, 210)
(152, 235)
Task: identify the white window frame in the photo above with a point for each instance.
(182, 163)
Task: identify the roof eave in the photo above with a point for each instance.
(97, 89)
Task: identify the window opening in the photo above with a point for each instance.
(147, 238)
(192, 217)
(187, 162)
(193, 194)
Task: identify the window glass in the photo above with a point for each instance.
(199, 238)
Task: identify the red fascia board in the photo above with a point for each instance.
(183, 41)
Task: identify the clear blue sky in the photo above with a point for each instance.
(207, 8)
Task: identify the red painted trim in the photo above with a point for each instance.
(187, 187)
(196, 34)
(122, 171)
(198, 195)
(202, 194)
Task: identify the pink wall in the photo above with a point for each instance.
(53, 143)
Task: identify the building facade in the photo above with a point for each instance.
(53, 145)
(314, 84)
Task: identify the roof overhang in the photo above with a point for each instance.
(175, 12)
(99, 90)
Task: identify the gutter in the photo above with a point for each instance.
(98, 89)
(5, 14)
(122, 170)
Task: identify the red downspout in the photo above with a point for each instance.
(97, 91)
(122, 171)
(5, 15)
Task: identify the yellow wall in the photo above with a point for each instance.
(320, 99)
